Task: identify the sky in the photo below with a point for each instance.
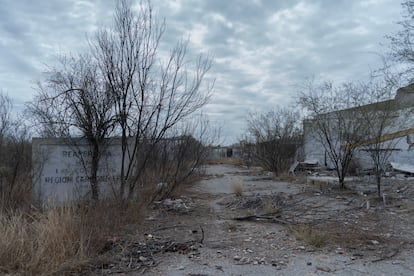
(262, 49)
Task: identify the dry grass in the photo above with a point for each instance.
(58, 240)
(228, 161)
(285, 176)
(16, 196)
(237, 187)
(231, 227)
(310, 235)
(269, 208)
(40, 243)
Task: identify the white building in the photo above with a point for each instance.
(397, 138)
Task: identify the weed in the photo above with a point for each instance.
(231, 227)
(237, 187)
(310, 235)
(269, 208)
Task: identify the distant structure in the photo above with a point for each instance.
(218, 152)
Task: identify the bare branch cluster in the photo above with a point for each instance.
(277, 136)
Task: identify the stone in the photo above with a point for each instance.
(142, 258)
(237, 258)
(374, 242)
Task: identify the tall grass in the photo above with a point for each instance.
(40, 242)
(57, 239)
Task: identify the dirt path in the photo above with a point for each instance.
(284, 229)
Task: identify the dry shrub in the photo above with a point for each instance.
(59, 239)
(17, 195)
(231, 227)
(269, 207)
(285, 176)
(41, 242)
(168, 180)
(185, 185)
(309, 234)
(352, 237)
(237, 187)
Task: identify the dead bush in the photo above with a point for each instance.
(237, 187)
(309, 234)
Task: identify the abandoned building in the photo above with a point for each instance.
(397, 138)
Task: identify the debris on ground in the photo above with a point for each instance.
(179, 205)
(254, 202)
(273, 226)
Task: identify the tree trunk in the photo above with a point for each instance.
(124, 145)
(379, 183)
(94, 172)
(342, 180)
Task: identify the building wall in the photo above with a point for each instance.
(403, 146)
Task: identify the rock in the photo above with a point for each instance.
(324, 269)
(180, 268)
(244, 260)
(237, 258)
(374, 242)
(309, 263)
(396, 262)
(142, 258)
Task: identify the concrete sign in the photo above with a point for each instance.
(61, 169)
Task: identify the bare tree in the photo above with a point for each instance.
(277, 136)
(401, 43)
(335, 120)
(15, 158)
(151, 94)
(383, 119)
(74, 101)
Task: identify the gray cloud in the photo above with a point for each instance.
(262, 48)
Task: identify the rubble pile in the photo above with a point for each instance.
(255, 202)
(179, 205)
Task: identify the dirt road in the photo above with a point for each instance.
(239, 221)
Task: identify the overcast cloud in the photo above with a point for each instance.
(262, 49)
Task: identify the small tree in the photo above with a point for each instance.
(277, 136)
(383, 117)
(335, 120)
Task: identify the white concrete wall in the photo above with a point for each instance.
(314, 150)
(60, 174)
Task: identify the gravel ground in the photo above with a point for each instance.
(291, 227)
